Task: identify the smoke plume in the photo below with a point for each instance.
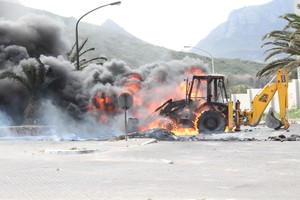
(38, 34)
(84, 101)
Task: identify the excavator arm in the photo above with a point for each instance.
(261, 101)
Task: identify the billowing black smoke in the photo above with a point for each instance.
(29, 36)
(70, 100)
(38, 34)
(11, 55)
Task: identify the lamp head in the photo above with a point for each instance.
(115, 3)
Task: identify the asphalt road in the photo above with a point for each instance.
(33, 170)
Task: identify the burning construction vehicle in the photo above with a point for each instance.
(205, 108)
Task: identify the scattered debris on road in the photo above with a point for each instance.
(157, 133)
(165, 135)
(282, 138)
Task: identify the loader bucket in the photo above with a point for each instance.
(272, 121)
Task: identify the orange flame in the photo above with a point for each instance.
(104, 105)
(166, 123)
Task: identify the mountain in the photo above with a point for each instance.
(112, 41)
(109, 39)
(240, 36)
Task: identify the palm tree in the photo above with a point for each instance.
(284, 43)
(72, 55)
(35, 83)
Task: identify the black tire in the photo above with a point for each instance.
(211, 121)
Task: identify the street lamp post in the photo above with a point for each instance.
(77, 45)
(212, 58)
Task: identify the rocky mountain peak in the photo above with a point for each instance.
(240, 36)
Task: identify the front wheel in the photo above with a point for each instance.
(211, 121)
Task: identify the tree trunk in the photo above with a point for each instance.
(31, 113)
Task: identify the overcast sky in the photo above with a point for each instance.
(169, 23)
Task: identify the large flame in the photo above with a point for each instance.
(104, 105)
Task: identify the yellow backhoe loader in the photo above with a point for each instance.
(206, 107)
(259, 104)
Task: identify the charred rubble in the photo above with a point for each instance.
(283, 138)
(165, 135)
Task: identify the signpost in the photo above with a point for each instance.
(125, 102)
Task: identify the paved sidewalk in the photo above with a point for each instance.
(127, 170)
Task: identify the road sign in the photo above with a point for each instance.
(125, 101)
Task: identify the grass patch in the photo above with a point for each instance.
(292, 114)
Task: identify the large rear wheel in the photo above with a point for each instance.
(211, 121)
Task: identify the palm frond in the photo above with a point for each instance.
(90, 49)
(290, 17)
(83, 65)
(72, 55)
(293, 64)
(83, 44)
(273, 66)
(71, 51)
(13, 76)
(277, 44)
(277, 34)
